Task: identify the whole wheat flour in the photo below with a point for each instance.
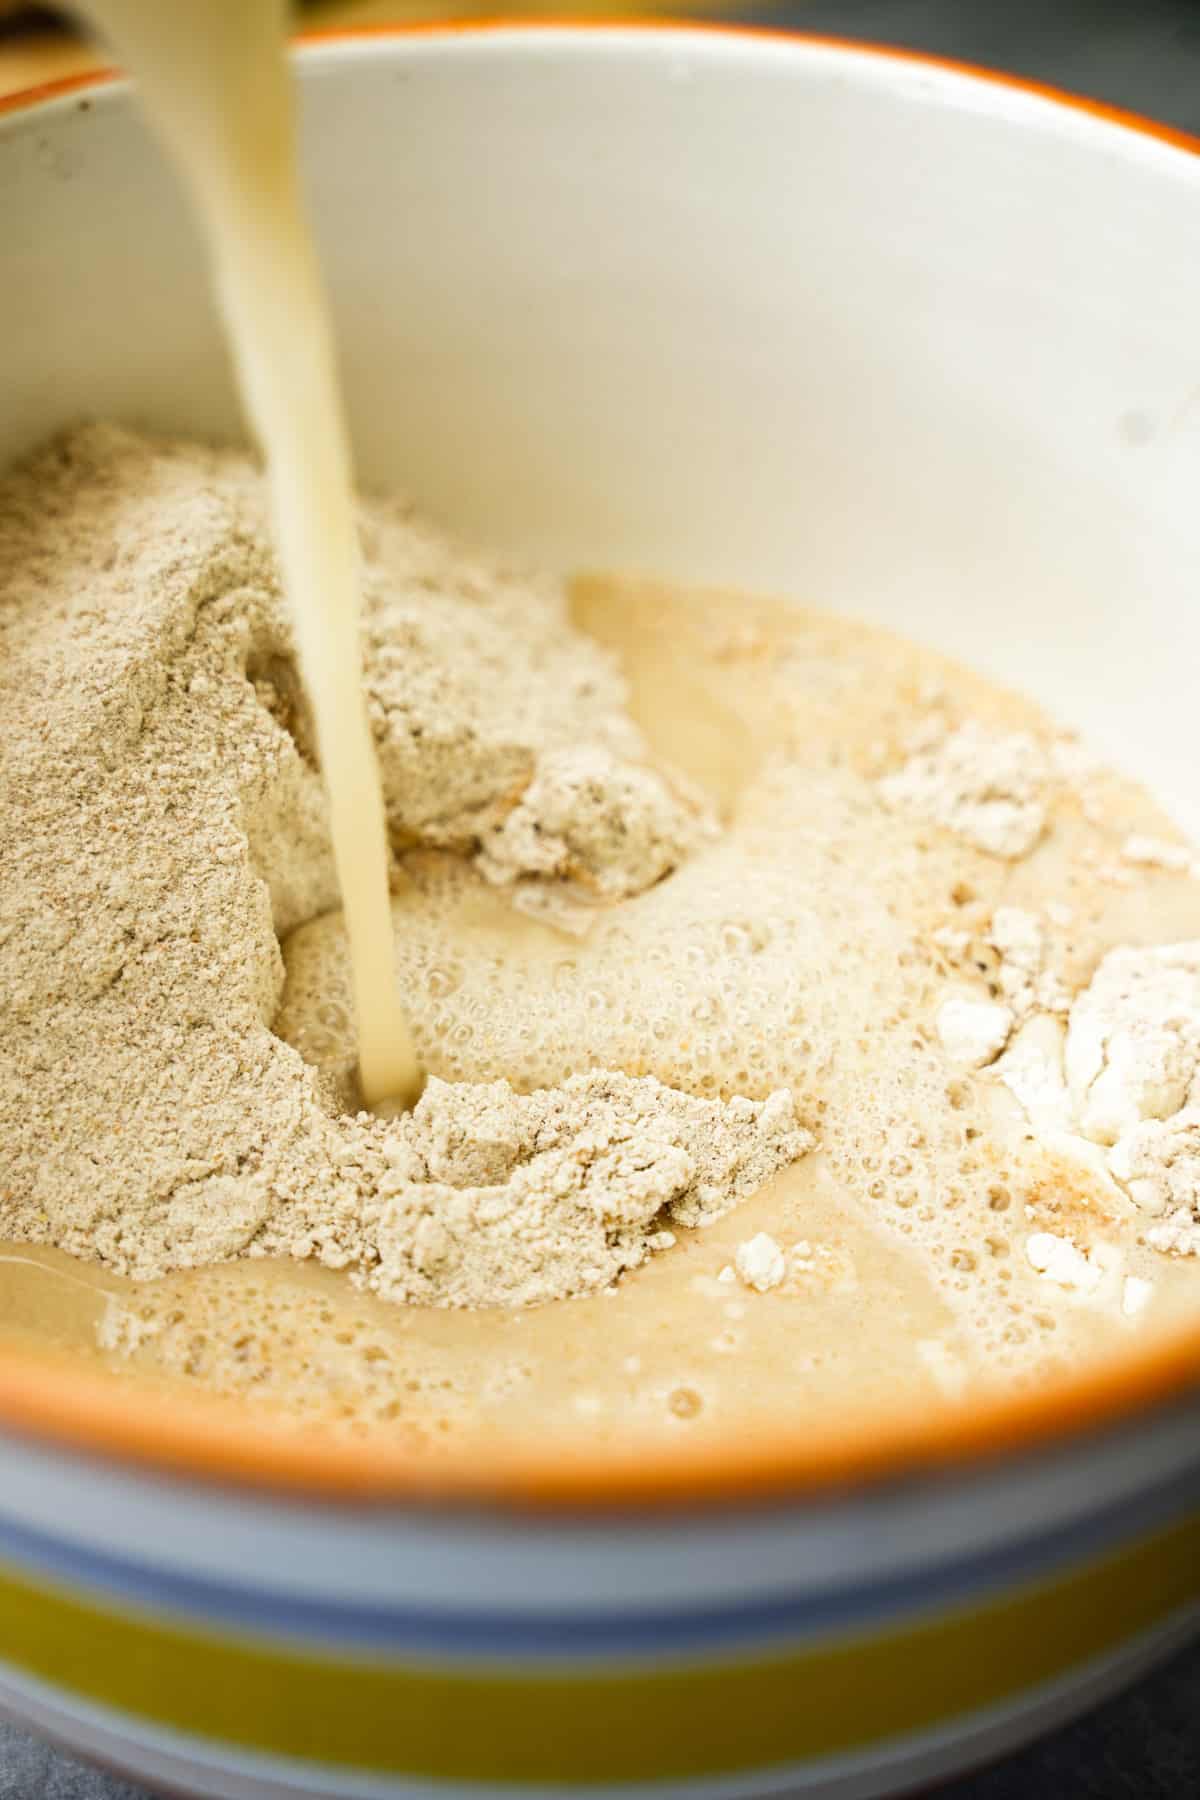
(162, 824)
(989, 790)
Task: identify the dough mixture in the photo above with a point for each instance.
(807, 1019)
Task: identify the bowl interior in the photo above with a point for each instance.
(846, 326)
(805, 318)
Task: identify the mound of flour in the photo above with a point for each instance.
(162, 824)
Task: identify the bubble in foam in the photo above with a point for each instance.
(685, 1403)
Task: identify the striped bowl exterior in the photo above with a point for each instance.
(254, 1646)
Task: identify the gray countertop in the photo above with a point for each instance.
(1144, 1746)
(1145, 55)
(1140, 54)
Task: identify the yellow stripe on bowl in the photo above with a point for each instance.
(593, 1725)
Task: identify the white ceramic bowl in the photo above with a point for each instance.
(845, 324)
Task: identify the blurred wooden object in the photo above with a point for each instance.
(33, 50)
(47, 58)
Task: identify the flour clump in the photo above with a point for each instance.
(973, 1032)
(986, 788)
(163, 825)
(503, 734)
(489, 1195)
(1133, 1044)
(1158, 1163)
(608, 828)
(1126, 1077)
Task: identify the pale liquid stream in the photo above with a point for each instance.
(214, 79)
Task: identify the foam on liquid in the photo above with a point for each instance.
(797, 950)
(213, 75)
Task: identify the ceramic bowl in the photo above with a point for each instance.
(815, 319)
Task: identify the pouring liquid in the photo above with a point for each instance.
(214, 79)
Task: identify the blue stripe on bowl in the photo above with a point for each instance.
(583, 1632)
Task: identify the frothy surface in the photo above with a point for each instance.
(811, 946)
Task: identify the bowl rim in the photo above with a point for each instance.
(45, 1397)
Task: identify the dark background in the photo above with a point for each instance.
(1144, 55)
(1140, 54)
